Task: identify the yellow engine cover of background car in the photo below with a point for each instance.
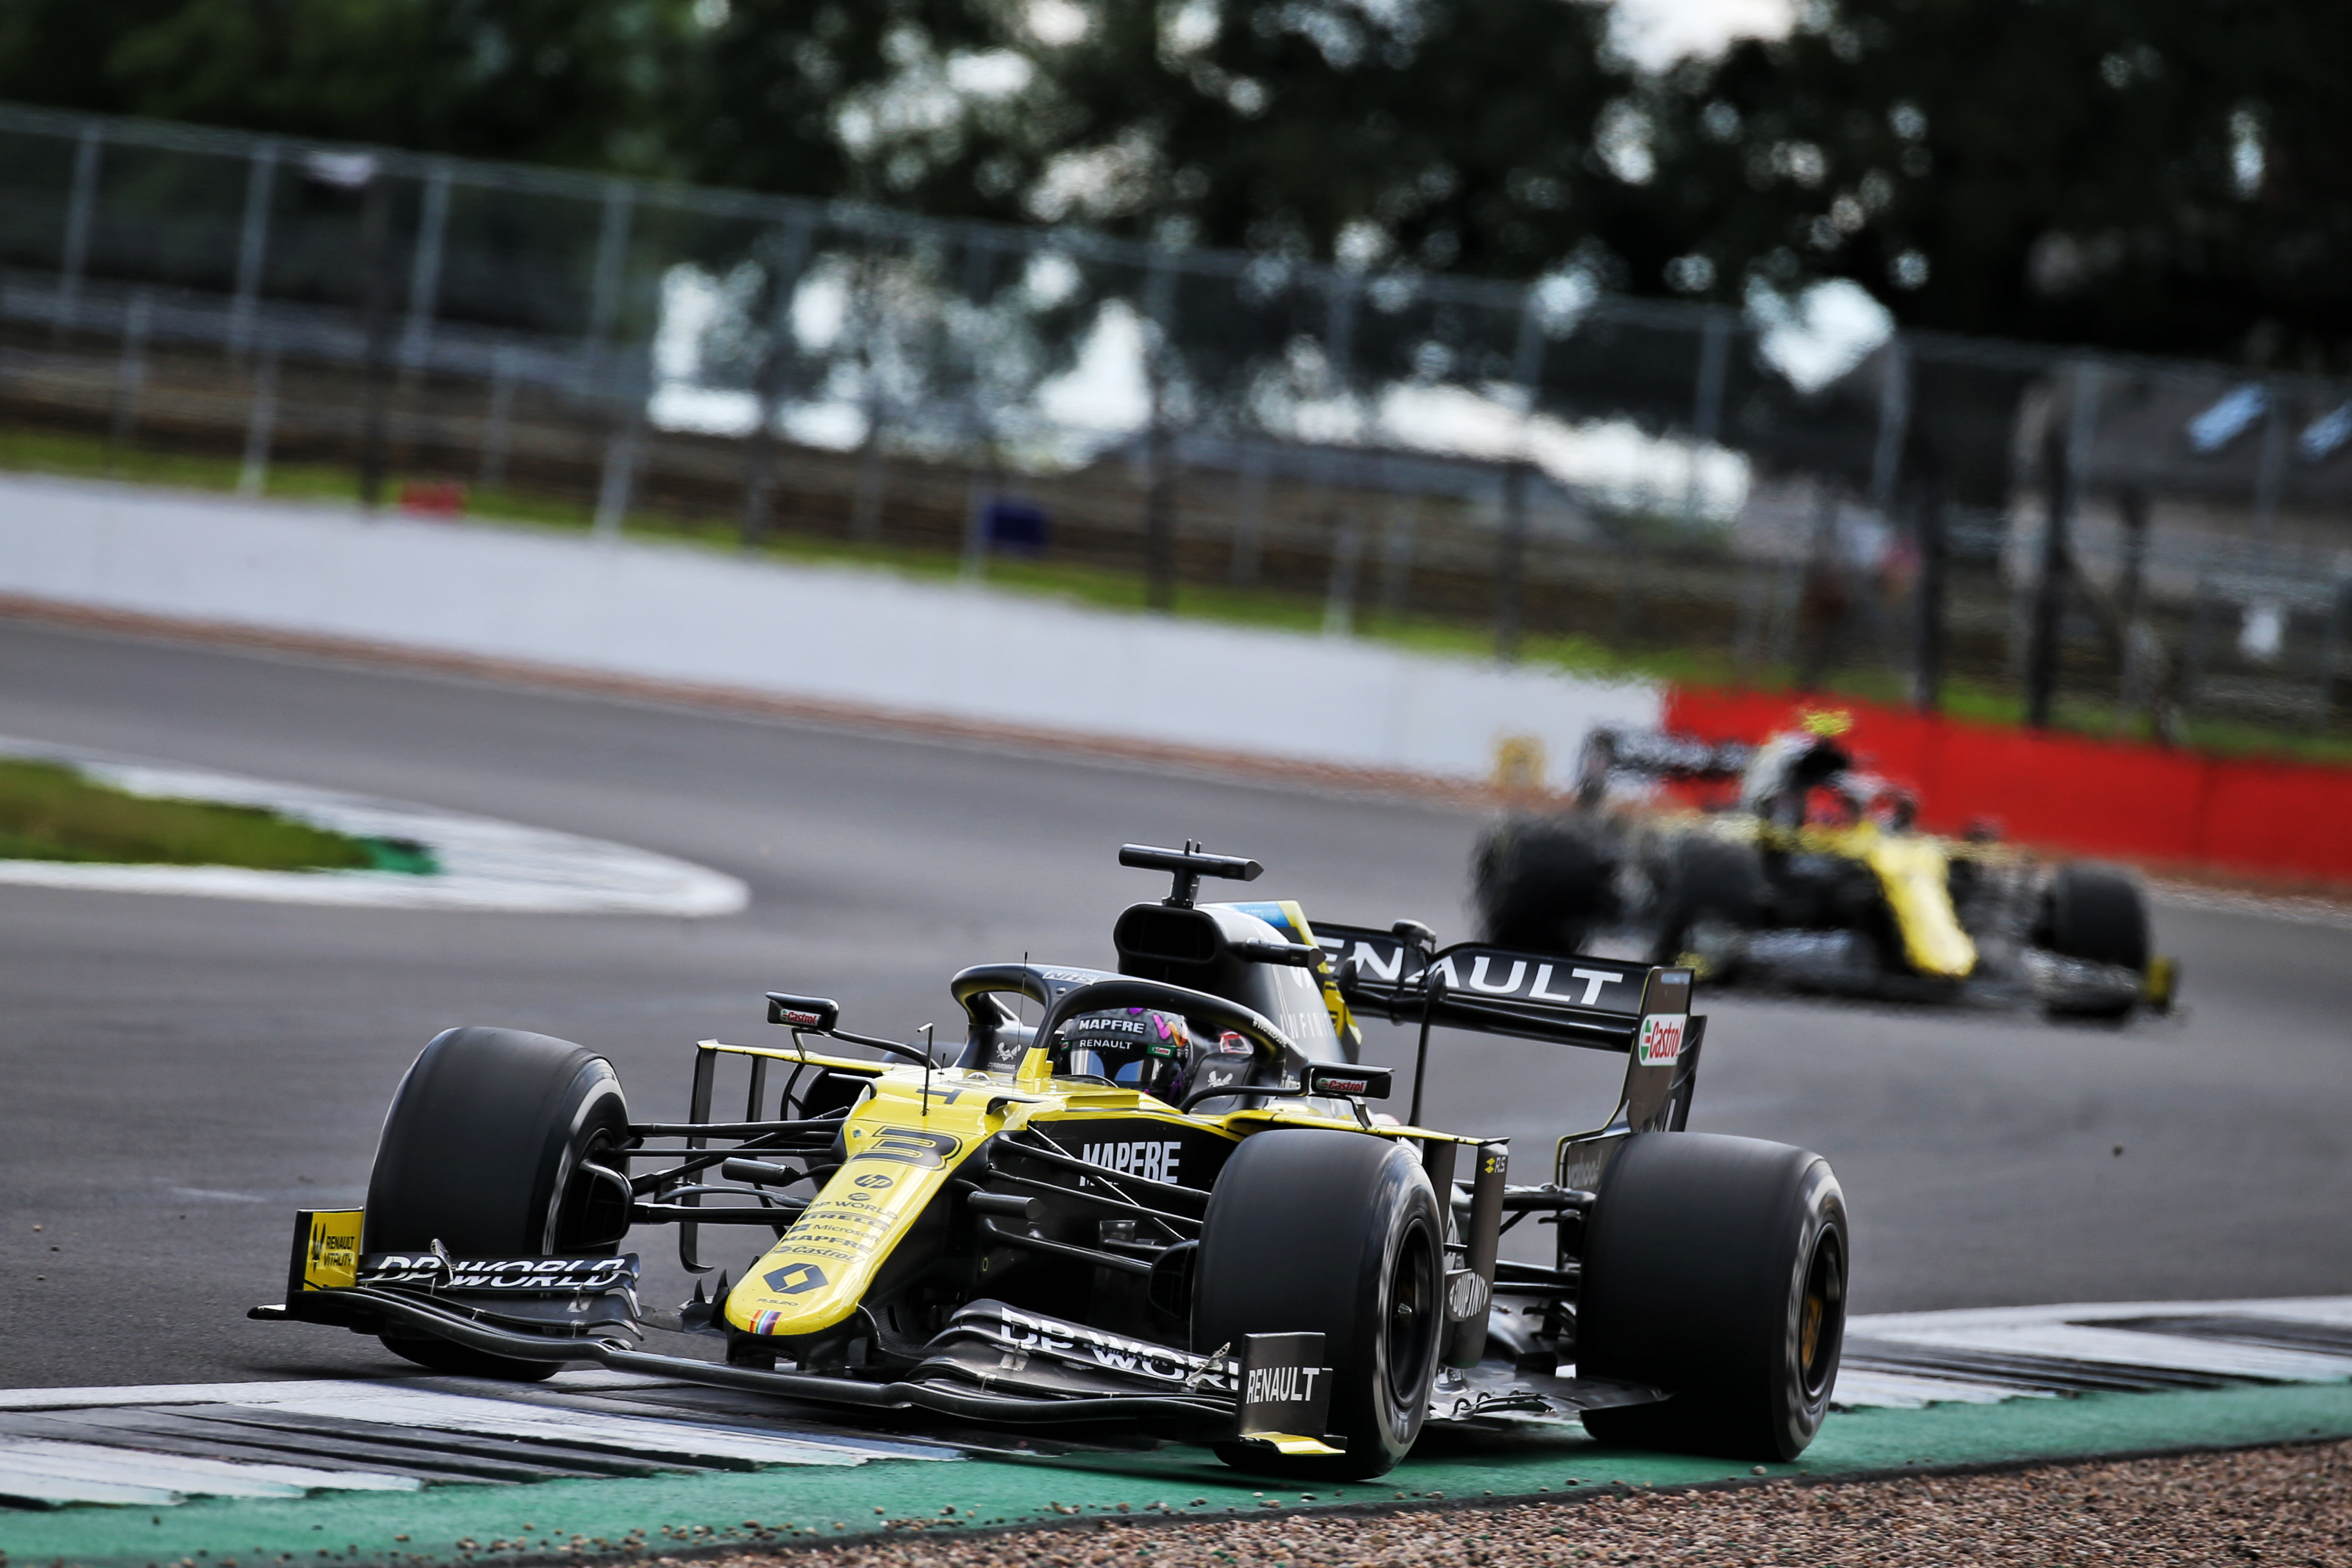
(898, 1159)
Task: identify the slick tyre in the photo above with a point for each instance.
(1706, 879)
(1715, 1268)
(1337, 1234)
(2098, 914)
(483, 1150)
(1541, 885)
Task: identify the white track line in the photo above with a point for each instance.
(2074, 1333)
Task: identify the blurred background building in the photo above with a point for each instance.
(1995, 354)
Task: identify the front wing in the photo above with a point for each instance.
(990, 1363)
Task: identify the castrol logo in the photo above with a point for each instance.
(1660, 1043)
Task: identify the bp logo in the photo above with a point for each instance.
(795, 1279)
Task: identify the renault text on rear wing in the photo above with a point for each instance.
(1593, 1002)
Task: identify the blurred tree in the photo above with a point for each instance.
(2159, 176)
(913, 102)
(2163, 176)
(1437, 134)
(550, 82)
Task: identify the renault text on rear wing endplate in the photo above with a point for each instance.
(1594, 1002)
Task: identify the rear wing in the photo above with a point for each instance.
(1603, 1004)
(1598, 1002)
(1654, 756)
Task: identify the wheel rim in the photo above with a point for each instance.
(1410, 1318)
(1820, 1315)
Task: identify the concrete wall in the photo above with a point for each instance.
(837, 635)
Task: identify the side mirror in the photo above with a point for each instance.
(1352, 1082)
(818, 1013)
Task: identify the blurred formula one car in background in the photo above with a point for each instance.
(1791, 869)
(1163, 1206)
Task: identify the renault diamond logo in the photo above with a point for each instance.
(795, 1279)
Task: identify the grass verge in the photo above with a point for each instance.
(49, 811)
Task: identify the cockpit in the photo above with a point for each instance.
(1261, 956)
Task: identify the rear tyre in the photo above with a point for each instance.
(1337, 1234)
(1541, 885)
(483, 1152)
(2098, 914)
(1715, 1267)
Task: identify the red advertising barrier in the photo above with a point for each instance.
(2290, 821)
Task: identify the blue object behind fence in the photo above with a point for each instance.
(1017, 525)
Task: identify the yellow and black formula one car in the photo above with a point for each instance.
(1783, 866)
(1162, 1202)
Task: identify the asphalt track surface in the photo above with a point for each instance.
(176, 1075)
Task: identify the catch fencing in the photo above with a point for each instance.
(1539, 468)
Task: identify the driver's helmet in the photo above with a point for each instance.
(1784, 772)
(1137, 1047)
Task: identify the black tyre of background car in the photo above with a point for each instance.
(1715, 1267)
(1706, 879)
(1541, 885)
(1337, 1234)
(2096, 914)
(482, 1151)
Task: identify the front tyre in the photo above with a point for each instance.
(1716, 1268)
(489, 1147)
(1337, 1234)
(2097, 915)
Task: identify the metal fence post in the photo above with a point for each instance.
(1510, 562)
(81, 208)
(2131, 577)
(1748, 620)
(2271, 468)
(1511, 545)
(1787, 599)
(2331, 654)
(1396, 554)
(2063, 458)
(1893, 428)
(252, 246)
(1339, 602)
(612, 257)
(1927, 596)
(375, 256)
(497, 428)
(979, 500)
(866, 501)
(1706, 401)
(260, 424)
(768, 382)
(424, 270)
(2200, 637)
(1160, 497)
(620, 452)
(130, 371)
(988, 481)
(1253, 480)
